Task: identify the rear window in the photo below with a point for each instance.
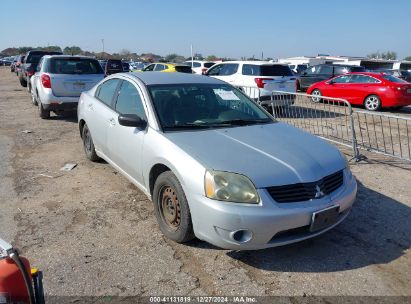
(183, 69)
(392, 78)
(75, 66)
(266, 70)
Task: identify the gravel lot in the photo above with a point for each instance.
(93, 233)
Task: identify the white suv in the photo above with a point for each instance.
(199, 66)
(260, 80)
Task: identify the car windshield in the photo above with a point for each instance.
(75, 66)
(194, 106)
(393, 78)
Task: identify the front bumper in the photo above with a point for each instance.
(268, 224)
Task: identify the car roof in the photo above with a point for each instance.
(171, 64)
(366, 73)
(253, 62)
(152, 78)
(68, 56)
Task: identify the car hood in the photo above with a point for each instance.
(270, 154)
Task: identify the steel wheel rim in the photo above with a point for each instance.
(170, 209)
(371, 103)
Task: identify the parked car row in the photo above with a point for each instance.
(173, 136)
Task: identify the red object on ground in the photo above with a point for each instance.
(12, 286)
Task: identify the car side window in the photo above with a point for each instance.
(149, 68)
(105, 92)
(342, 79)
(326, 69)
(312, 70)
(229, 69)
(362, 79)
(215, 70)
(196, 64)
(251, 69)
(129, 100)
(340, 70)
(159, 67)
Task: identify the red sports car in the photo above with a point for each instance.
(372, 90)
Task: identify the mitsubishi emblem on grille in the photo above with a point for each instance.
(318, 192)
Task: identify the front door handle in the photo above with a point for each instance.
(90, 106)
(112, 122)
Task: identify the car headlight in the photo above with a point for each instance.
(230, 187)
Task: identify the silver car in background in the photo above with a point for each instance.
(215, 164)
(60, 79)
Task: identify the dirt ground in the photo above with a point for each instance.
(93, 233)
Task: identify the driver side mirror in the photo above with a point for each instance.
(132, 120)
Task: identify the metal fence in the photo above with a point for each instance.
(335, 120)
(383, 133)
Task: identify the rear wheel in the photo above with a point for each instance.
(88, 144)
(34, 98)
(44, 114)
(316, 93)
(23, 82)
(372, 103)
(171, 208)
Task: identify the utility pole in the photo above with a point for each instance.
(102, 42)
(192, 56)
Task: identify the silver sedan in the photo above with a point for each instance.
(214, 163)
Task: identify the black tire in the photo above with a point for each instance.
(372, 103)
(88, 144)
(44, 114)
(34, 98)
(318, 94)
(171, 208)
(23, 82)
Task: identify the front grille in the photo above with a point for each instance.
(306, 191)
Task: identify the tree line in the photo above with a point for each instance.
(123, 54)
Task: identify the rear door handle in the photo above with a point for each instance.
(112, 122)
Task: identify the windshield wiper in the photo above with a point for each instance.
(244, 122)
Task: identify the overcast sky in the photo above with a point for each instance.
(225, 28)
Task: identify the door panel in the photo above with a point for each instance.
(125, 144)
(99, 112)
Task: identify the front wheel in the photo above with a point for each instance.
(171, 208)
(372, 103)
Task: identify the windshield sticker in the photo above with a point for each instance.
(226, 95)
